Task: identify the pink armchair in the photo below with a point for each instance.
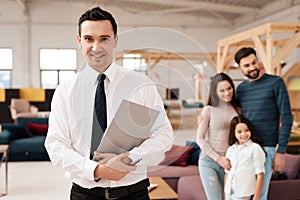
(22, 108)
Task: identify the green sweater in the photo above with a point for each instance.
(263, 102)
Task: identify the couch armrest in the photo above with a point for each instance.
(15, 132)
(13, 112)
(5, 137)
(33, 109)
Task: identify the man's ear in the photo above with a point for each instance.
(116, 41)
(79, 41)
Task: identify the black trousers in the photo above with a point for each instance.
(137, 191)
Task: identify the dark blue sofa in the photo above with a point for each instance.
(23, 144)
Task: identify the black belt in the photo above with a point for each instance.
(115, 192)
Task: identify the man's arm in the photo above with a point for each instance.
(284, 108)
(161, 136)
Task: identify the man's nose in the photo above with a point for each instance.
(252, 67)
(97, 46)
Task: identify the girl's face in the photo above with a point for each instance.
(242, 133)
(224, 91)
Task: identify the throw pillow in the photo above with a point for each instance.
(178, 155)
(37, 129)
(194, 156)
(292, 163)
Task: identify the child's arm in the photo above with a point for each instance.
(225, 180)
(258, 186)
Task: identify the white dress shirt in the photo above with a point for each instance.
(246, 160)
(70, 123)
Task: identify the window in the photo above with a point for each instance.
(56, 66)
(135, 62)
(6, 65)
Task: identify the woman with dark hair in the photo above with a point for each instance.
(244, 181)
(212, 134)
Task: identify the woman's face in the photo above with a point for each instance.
(224, 91)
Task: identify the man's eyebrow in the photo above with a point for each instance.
(105, 36)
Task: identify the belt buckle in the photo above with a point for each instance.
(106, 193)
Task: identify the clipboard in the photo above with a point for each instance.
(130, 126)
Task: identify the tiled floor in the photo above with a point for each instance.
(35, 181)
(40, 180)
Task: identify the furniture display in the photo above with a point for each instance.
(183, 114)
(26, 139)
(43, 106)
(22, 108)
(162, 191)
(4, 155)
(185, 179)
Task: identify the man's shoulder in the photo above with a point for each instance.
(271, 77)
(242, 85)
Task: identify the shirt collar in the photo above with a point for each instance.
(110, 73)
(249, 142)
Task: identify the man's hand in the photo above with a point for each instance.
(224, 162)
(278, 162)
(115, 168)
(103, 157)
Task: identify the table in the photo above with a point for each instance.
(162, 191)
(4, 152)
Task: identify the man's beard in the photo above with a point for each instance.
(253, 76)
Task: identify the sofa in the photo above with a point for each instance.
(26, 139)
(181, 173)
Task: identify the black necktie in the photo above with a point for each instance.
(100, 118)
(100, 102)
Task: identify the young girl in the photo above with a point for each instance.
(245, 178)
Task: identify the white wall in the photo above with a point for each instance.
(48, 25)
(54, 25)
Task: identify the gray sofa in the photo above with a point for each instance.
(26, 139)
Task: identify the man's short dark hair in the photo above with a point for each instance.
(96, 14)
(242, 53)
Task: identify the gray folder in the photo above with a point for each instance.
(130, 126)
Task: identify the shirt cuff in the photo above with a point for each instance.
(134, 157)
(259, 170)
(89, 169)
(281, 149)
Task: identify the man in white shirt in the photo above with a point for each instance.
(69, 136)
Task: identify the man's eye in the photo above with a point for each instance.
(88, 39)
(105, 39)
